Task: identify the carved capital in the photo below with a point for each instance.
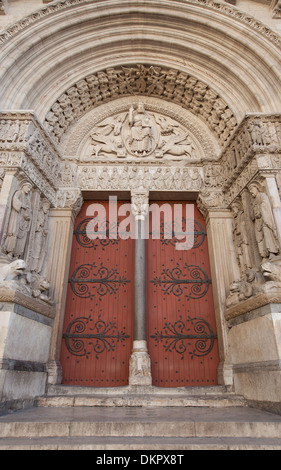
(70, 198)
(139, 204)
(210, 201)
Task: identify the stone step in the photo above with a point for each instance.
(226, 400)
(140, 445)
(97, 426)
(217, 396)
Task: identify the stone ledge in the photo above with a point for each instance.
(248, 305)
(37, 305)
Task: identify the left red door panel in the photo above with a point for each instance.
(98, 324)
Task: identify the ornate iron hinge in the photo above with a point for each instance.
(87, 277)
(177, 336)
(191, 279)
(105, 337)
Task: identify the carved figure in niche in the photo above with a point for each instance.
(240, 236)
(265, 230)
(40, 237)
(19, 221)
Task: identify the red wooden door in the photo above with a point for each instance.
(181, 328)
(98, 324)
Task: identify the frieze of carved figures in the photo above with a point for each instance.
(139, 79)
(241, 181)
(133, 177)
(20, 132)
(44, 157)
(13, 133)
(258, 135)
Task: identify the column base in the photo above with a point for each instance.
(140, 366)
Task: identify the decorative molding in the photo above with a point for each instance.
(222, 7)
(139, 178)
(24, 144)
(147, 80)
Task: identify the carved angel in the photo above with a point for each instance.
(106, 137)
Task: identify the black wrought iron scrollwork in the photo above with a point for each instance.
(190, 279)
(89, 279)
(88, 236)
(178, 336)
(103, 337)
(191, 231)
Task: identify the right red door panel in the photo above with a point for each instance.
(181, 327)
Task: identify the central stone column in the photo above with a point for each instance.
(140, 367)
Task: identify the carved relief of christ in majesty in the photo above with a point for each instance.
(141, 131)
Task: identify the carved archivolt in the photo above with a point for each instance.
(148, 80)
(226, 9)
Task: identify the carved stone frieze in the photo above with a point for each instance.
(257, 136)
(175, 135)
(147, 80)
(25, 144)
(139, 177)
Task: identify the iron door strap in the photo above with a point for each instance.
(178, 336)
(102, 337)
(90, 279)
(191, 280)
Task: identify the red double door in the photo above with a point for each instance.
(98, 326)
